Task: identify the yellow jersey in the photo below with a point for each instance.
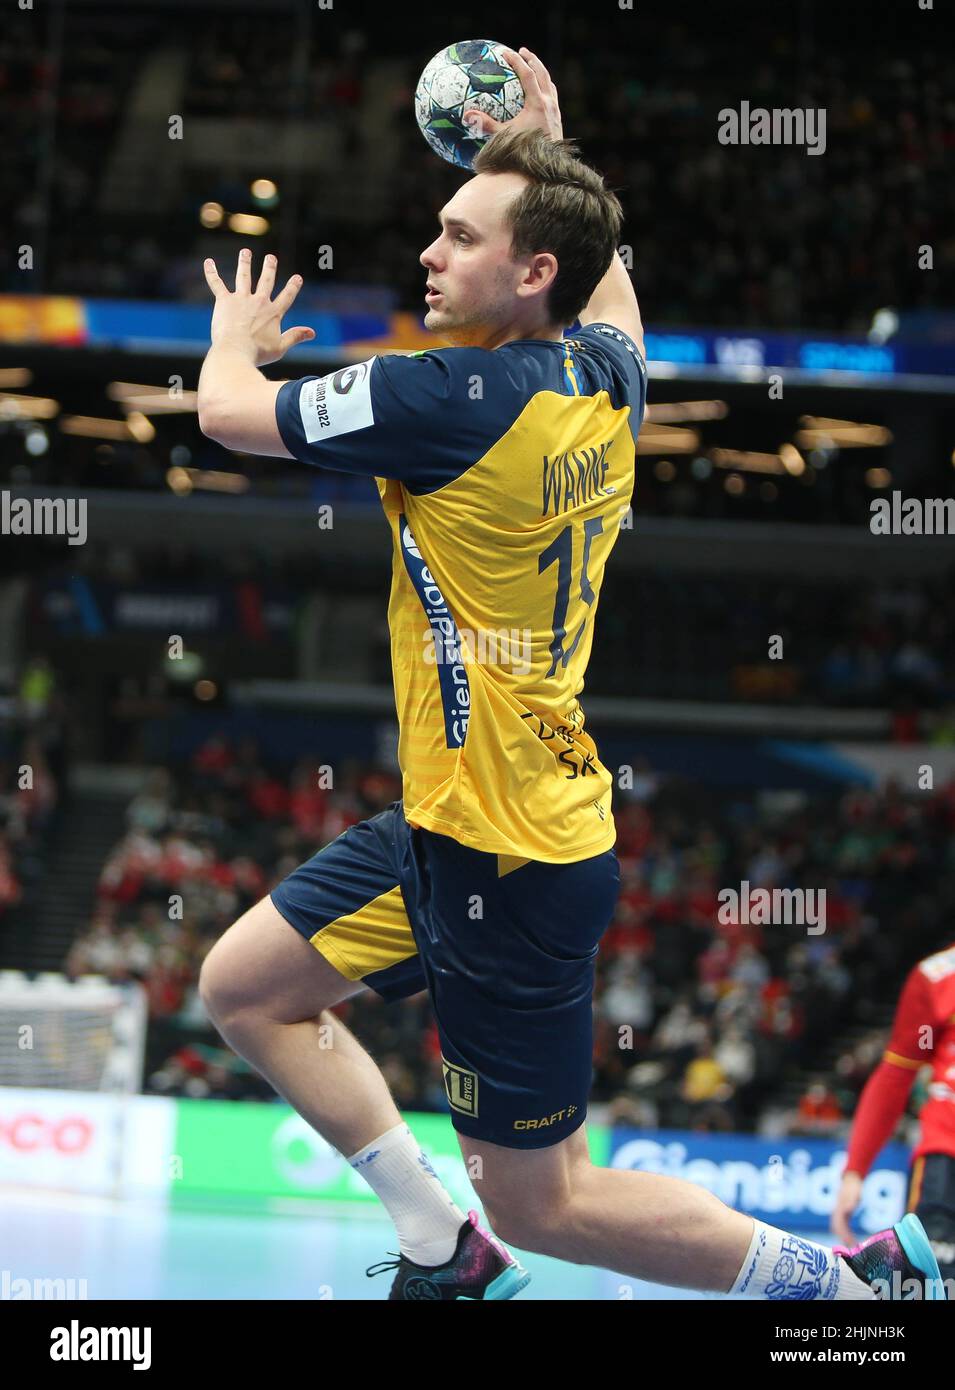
(505, 476)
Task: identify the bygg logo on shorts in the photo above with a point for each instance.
(462, 1088)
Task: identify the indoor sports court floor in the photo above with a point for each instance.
(145, 1251)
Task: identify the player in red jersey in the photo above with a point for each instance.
(923, 1033)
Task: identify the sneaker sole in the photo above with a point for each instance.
(508, 1283)
(914, 1242)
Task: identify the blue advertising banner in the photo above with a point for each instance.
(95, 607)
(787, 1182)
(146, 326)
(916, 351)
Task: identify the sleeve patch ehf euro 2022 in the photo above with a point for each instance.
(337, 404)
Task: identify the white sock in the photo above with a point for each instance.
(426, 1218)
(780, 1265)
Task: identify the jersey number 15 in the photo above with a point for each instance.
(561, 550)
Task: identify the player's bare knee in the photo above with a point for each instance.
(230, 985)
(235, 975)
(221, 988)
(262, 966)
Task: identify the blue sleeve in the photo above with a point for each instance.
(418, 418)
(624, 361)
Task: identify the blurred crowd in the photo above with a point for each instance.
(829, 1099)
(702, 1019)
(721, 234)
(728, 236)
(200, 848)
(744, 236)
(727, 1016)
(32, 776)
(846, 643)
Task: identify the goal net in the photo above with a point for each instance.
(82, 1035)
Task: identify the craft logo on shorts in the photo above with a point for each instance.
(462, 1088)
(544, 1120)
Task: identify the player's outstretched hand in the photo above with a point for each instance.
(847, 1199)
(540, 111)
(253, 318)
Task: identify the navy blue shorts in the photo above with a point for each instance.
(932, 1198)
(505, 948)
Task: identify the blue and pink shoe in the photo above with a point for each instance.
(900, 1262)
(479, 1268)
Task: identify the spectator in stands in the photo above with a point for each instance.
(10, 890)
(735, 1054)
(149, 810)
(819, 1112)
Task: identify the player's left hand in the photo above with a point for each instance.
(252, 319)
(540, 111)
(847, 1199)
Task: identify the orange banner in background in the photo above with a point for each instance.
(407, 335)
(26, 318)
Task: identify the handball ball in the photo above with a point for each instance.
(463, 77)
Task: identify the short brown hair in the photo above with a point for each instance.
(566, 209)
